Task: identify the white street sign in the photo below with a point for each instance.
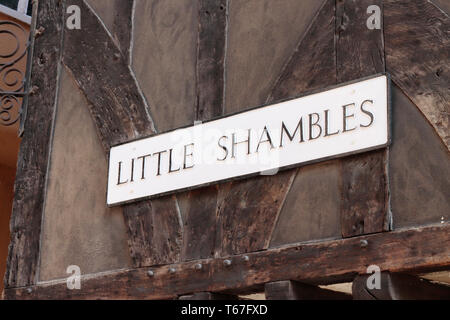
(348, 119)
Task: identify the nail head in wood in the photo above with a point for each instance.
(39, 32)
(33, 90)
(198, 266)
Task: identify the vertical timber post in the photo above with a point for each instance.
(360, 53)
(200, 220)
(32, 165)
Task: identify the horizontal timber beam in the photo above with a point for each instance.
(409, 251)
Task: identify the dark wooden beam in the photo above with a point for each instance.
(395, 286)
(34, 151)
(293, 290)
(120, 114)
(248, 212)
(360, 53)
(154, 231)
(418, 57)
(212, 15)
(102, 73)
(122, 25)
(199, 223)
(208, 296)
(313, 64)
(415, 250)
(117, 16)
(359, 50)
(199, 234)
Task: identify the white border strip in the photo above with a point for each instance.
(16, 14)
(22, 6)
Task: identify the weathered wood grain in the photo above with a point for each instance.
(101, 71)
(212, 15)
(199, 234)
(313, 64)
(359, 50)
(251, 207)
(294, 290)
(154, 231)
(417, 40)
(199, 223)
(360, 53)
(365, 199)
(406, 251)
(208, 296)
(122, 25)
(394, 286)
(120, 114)
(32, 164)
(248, 212)
(117, 17)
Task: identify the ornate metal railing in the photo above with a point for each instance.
(16, 46)
(12, 70)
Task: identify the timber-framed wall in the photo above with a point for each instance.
(210, 239)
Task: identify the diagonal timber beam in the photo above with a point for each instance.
(120, 113)
(418, 58)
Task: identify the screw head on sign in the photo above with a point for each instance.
(172, 270)
(364, 243)
(227, 262)
(150, 273)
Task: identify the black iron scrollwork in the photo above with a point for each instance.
(13, 51)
